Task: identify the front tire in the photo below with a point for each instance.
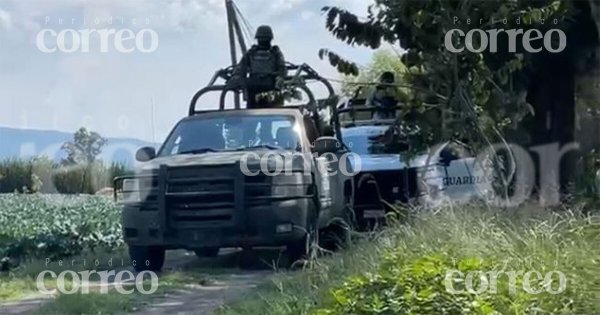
(337, 236)
(303, 248)
(298, 250)
(147, 258)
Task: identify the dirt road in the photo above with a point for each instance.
(196, 299)
(226, 282)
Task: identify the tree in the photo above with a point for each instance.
(469, 86)
(483, 95)
(383, 60)
(84, 149)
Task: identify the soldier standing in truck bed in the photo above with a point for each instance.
(384, 97)
(262, 69)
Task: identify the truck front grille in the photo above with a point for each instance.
(200, 196)
(257, 189)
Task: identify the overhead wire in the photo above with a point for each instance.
(248, 31)
(247, 28)
(373, 83)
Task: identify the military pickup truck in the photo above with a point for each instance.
(385, 177)
(446, 173)
(236, 178)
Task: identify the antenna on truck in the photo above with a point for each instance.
(153, 118)
(236, 37)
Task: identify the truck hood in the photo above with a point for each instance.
(389, 162)
(213, 159)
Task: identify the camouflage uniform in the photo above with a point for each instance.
(384, 96)
(261, 69)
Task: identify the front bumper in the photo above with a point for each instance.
(259, 229)
(400, 186)
(217, 208)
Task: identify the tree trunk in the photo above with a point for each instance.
(552, 88)
(552, 95)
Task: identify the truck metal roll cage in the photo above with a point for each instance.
(302, 75)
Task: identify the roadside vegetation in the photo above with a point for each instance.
(55, 226)
(21, 283)
(79, 172)
(116, 303)
(401, 270)
(39, 231)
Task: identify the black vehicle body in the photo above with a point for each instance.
(206, 201)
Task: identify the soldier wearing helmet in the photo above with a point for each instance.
(385, 96)
(262, 68)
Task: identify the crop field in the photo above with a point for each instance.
(55, 226)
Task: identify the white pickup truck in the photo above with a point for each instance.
(445, 173)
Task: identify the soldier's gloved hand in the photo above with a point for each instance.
(279, 83)
(377, 103)
(234, 83)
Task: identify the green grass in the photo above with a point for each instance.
(402, 269)
(20, 281)
(92, 304)
(13, 289)
(112, 302)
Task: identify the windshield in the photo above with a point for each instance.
(234, 133)
(367, 141)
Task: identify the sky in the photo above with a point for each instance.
(112, 92)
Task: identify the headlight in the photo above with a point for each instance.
(131, 184)
(292, 178)
(293, 184)
(130, 191)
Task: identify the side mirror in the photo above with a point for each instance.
(447, 156)
(327, 145)
(145, 154)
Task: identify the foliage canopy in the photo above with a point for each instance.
(474, 96)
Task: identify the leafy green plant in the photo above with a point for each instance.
(55, 226)
(40, 175)
(486, 92)
(402, 269)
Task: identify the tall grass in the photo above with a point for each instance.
(402, 269)
(45, 176)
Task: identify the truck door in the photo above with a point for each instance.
(343, 181)
(460, 181)
(325, 187)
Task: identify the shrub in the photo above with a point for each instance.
(42, 175)
(411, 277)
(402, 269)
(16, 175)
(54, 226)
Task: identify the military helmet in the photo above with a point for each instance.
(264, 31)
(387, 76)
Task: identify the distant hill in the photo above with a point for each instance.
(25, 143)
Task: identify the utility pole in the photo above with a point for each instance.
(153, 118)
(232, 48)
(233, 26)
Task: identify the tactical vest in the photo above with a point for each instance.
(387, 96)
(263, 62)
